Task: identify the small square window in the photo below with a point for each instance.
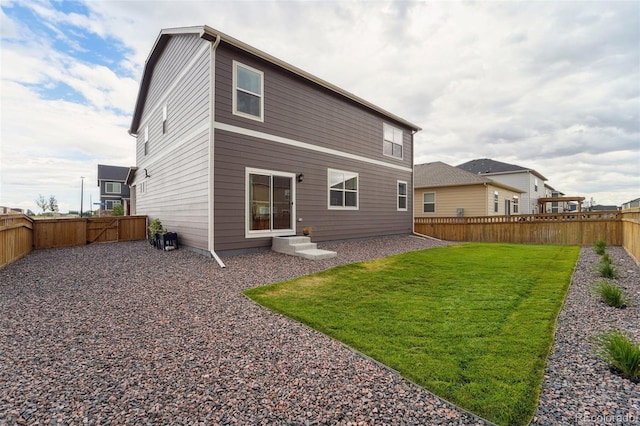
(343, 190)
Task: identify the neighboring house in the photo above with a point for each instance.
(554, 206)
(631, 204)
(442, 190)
(529, 181)
(113, 188)
(601, 208)
(234, 147)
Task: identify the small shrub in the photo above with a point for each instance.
(611, 294)
(620, 352)
(118, 210)
(599, 246)
(607, 270)
(606, 259)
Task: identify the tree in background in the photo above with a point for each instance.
(42, 203)
(53, 203)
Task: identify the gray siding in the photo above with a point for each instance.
(377, 214)
(177, 161)
(300, 110)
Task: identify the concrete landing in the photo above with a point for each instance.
(300, 246)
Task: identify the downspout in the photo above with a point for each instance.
(212, 112)
(413, 191)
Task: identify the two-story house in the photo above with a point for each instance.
(235, 146)
(529, 181)
(113, 190)
(441, 190)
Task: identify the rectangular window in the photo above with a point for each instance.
(402, 196)
(248, 89)
(164, 119)
(110, 203)
(343, 190)
(112, 187)
(146, 140)
(392, 144)
(535, 184)
(270, 203)
(514, 204)
(495, 201)
(429, 202)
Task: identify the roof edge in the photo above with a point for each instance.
(210, 34)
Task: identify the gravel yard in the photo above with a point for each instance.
(122, 333)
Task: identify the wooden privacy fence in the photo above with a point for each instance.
(16, 237)
(561, 228)
(584, 228)
(20, 234)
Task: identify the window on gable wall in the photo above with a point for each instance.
(248, 99)
(146, 140)
(392, 144)
(164, 119)
(402, 195)
(495, 201)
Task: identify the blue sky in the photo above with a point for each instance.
(554, 86)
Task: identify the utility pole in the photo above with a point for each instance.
(81, 193)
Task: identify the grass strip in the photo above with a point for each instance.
(473, 323)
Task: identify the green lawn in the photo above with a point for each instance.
(472, 323)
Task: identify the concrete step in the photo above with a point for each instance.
(300, 246)
(316, 254)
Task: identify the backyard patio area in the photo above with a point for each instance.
(122, 333)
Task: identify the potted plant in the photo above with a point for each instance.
(155, 228)
(306, 231)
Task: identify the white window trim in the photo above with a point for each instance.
(406, 196)
(434, 203)
(234, 95)
(329, 206)
(401, 142)
(146, 140)
(248, 233)
(112, 192)
(112, 202)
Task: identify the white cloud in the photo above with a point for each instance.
(551, 86)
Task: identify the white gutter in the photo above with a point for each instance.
(212, 118)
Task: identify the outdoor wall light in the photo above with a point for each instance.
(300, 177)
(146, 174)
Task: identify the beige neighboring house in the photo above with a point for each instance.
(441, 190)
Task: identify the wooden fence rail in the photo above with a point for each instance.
(584, 228)
(20, 234)
(561, 228)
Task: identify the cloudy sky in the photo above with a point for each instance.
(553, 86)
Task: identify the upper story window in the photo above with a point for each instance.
(402, 196)
(429, 202)
(535, 184)
(248, 89)
(146, 140)
(112, 187)
(343, 190)
(392, 144)
(164, 119)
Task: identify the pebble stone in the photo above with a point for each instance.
(121, 333)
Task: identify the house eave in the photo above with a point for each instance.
(210, 34)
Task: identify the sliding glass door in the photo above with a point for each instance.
(270, 198)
